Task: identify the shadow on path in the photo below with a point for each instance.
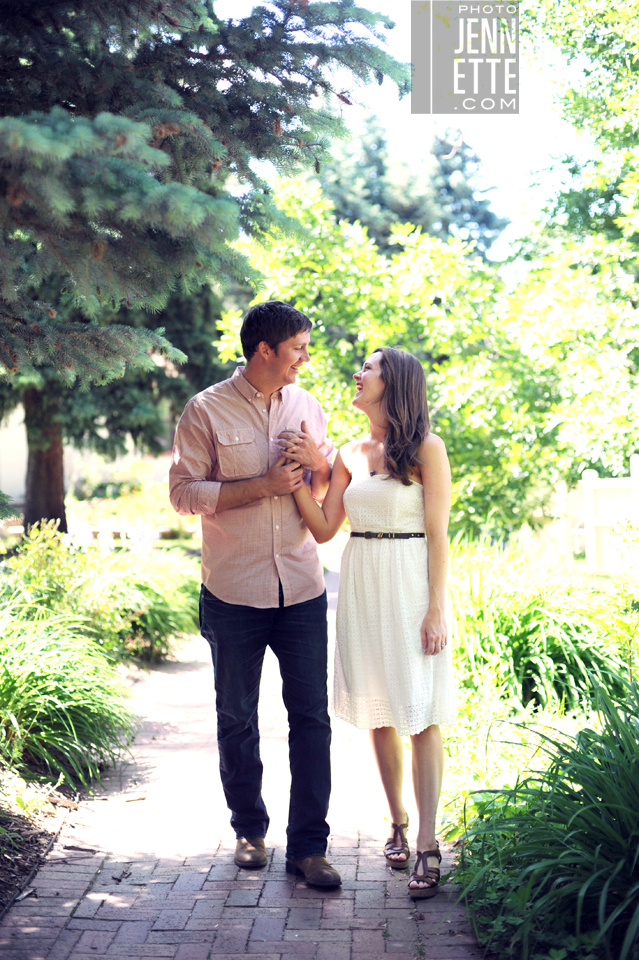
(162, 882)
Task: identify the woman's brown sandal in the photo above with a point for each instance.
(398, 845)
(429, 876)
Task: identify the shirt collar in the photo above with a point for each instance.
(247, 390)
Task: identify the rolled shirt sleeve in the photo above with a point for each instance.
(193, 462)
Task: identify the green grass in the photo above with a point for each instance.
(128, 501)
(67, 613)
(62, 709)
(540, 636)
(550, 866)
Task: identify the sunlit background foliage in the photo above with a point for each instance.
(532, 366)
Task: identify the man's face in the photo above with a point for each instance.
(289, 355)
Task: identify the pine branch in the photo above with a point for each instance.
(77, 197)
(145, 108)
(85, 351)
(5, 509)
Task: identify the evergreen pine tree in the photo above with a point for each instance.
(128, 135)
(461, 210)
(136, 406)
(440, 195)
(5, 506)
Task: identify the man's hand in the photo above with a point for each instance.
(284, 477)
(299, 445)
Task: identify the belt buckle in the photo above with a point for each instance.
(368, 535)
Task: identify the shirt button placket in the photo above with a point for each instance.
(277, 528)
(276, 503)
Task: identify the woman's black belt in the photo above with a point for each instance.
(370, 535)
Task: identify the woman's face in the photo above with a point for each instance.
(369, 383)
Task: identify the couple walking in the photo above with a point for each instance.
(252, 457)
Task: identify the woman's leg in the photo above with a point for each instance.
(388, 750)
(428, 770)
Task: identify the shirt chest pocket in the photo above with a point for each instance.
(237, 452)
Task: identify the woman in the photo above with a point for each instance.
(393, 663)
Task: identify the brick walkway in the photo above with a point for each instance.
(145, 868)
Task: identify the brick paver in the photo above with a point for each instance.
(145, 868)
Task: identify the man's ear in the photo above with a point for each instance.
(264, 350)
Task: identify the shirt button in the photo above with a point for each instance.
(275, 498)
(277, 526)
(277, 556)
(237, 439)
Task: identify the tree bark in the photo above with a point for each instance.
(44, 498)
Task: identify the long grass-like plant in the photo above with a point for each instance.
(551, 867)
(62, 710)
(541, 637)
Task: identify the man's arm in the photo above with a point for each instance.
(282, 478)
(194, 461)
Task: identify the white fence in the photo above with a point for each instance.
(609, 507)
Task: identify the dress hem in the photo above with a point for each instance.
(402, 729)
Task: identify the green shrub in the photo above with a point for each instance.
(169, 586)
(551, 867)
(61, 704)
(130, 603)
(541, 639)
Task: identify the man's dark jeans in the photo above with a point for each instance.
(238, 637)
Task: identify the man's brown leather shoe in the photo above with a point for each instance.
(316, 870)
(250, 852)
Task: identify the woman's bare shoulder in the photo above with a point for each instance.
(432, 448)
(351, 449)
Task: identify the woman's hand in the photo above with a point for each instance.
(300, 446)
(434, 632)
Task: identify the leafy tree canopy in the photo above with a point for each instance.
(582, 286)
(603, 39)
(576, 307)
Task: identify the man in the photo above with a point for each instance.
(262, 580)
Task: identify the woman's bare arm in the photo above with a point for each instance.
(435, 474)
(324, 521)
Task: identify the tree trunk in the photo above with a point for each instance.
(45, 467)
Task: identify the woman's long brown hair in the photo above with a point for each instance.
(405, 407)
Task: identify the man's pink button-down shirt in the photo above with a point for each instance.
(225, 434)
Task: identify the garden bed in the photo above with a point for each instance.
(31, 817)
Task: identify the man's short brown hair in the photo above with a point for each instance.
(272, 321)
